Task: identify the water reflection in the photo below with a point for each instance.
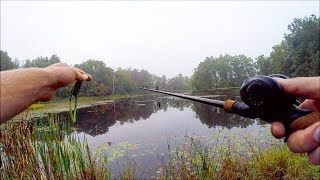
(149, 122)
(97, 120)
(213, 116)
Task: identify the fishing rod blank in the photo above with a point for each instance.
(211, 102)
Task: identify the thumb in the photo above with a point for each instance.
(305, 87)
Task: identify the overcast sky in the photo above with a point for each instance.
(165, 38)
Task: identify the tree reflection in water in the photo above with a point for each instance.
(97, 120)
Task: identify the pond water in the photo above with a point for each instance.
(142, 128)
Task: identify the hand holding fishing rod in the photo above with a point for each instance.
(264, 97)
(307, 140)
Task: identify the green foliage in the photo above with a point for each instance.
(224, 71)
(161, 82)
(42, 62)
(123, 81)
(6, 63)
(98, 70)
(298, 54)
(278, 62)
(178, 83)
(37, 106)
(263, 64)
(303, 46)
(193, 159)
(46, 150)
(142, 77)
(102, 77)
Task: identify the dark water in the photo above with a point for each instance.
(142, 128)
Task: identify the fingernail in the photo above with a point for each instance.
(316, 135)
(85, 77)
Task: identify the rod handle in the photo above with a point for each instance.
(297, 119)
(304, 121)
(228, 104)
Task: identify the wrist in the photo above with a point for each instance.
(45, 81)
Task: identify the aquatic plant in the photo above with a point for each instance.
(200, 158)
(122, 156)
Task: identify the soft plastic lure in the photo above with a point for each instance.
(74, 93)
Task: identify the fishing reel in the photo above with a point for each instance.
(266, 99)
(264, 95)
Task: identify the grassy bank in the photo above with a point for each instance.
(52, 151)
(46, 151)
(194, 160)
(62, 104)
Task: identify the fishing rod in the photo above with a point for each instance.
(262, 97)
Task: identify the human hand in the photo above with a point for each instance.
(61, 75)
(307, 140)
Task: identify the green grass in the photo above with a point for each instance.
(46, 151)
(195, 160)
(61, 104)
(37, 106)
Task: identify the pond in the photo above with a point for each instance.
(142, 128)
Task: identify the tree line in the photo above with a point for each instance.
(105, 79)
(297, 55)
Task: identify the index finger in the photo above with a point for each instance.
(305, 87)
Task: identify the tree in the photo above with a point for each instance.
(224, 71)
(279, 63)
(303, 46)
(42, 61)
(123, 84)
(101, 74)
(263, 65)
(6, 63)
(178, 82)
(242, 67)
(161, 82)
(205, 75)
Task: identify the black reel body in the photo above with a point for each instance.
(266, 98)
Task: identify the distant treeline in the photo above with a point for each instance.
(297, 55)
(105, 79)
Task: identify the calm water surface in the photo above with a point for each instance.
(142, 129)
